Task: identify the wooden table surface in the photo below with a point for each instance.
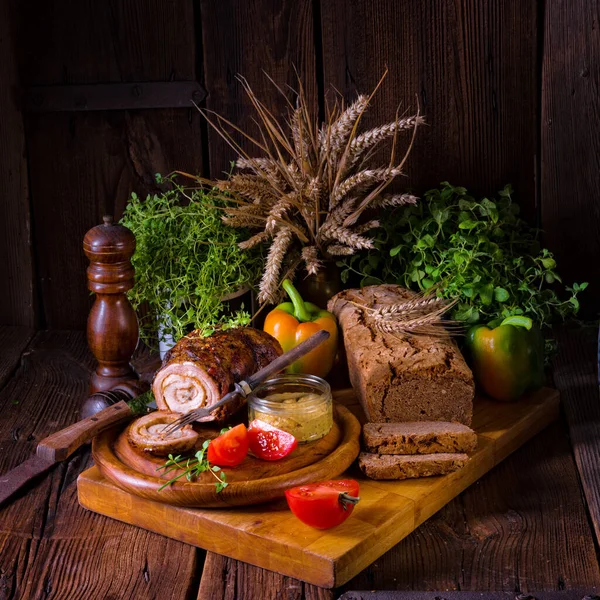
(528, 525)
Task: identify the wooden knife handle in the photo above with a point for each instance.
(286, 359)
(60, 445)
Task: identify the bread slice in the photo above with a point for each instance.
(418, 437)
(390, 466)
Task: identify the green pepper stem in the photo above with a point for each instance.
(300, 311)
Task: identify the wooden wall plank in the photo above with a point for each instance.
(85, 165)
(253, 38)
(96, 161)
(472, 65)
(81, 41)
(16, 264)
(570, 141)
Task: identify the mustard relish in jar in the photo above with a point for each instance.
(298, 404)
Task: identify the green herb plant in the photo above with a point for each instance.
(478, 251)
(186, 260)
(192, 467)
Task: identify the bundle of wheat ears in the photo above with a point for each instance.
(309, 190)
(421, 315)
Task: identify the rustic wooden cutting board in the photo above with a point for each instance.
(252, 482)
(269, 536)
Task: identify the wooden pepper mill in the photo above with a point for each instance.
(112, 328)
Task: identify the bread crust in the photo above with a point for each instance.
(401, 377)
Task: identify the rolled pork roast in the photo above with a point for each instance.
(198, 371)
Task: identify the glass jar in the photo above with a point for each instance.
(298, 404)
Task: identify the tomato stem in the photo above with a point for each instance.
(345, 499)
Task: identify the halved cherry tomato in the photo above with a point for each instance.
(268, 442)
(230, 448)
(324, 505)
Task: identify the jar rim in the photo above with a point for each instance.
(317, 383)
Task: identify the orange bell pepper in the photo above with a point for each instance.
(293, 322)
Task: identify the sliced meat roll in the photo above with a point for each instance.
(198, 371)
(146, 434)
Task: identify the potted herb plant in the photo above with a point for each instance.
(188, 264)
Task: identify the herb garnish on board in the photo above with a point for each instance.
(476, 251)
(192, 467)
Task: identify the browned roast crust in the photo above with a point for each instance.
(227, 357)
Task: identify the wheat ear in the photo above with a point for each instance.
(311, 260)
(270, 279)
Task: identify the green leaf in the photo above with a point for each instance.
(486, 293)
(395, 251)
(468, 224)
(427, 241)
(549, 263)
(500, 294)
(518, 321)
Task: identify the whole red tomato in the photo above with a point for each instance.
(230, 448)
(268, 442)
(325, 504)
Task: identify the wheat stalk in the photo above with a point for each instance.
(362, 180)
(269, 283)
(335, 137)
(389, 200)
(306, 191)
(255, 240)
(367, 140)
(311, 259)
(339, 250)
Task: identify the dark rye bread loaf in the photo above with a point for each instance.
(424, 437)
(401, 377)
(388, 466)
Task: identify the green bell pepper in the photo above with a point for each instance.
(507, 357)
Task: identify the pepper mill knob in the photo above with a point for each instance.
(112, 328)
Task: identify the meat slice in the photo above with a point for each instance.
(147, 434)
(198, 371)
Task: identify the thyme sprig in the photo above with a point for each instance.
(192, 467)
(187, 262)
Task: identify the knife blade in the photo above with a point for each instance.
(15, 479)
(59, 446)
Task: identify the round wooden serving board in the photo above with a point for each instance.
(252, 482)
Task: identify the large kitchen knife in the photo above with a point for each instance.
(60, 445)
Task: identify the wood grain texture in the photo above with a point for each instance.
(231, 579)
(576, 375)
(471, 66)
(72, 41)
(251, 39)
(522, 527)
(570, 140)
(256, 482)
(13, 341)
(16, 267)
(49, 546)
(86, 165)
(269, 536)
(97, 160)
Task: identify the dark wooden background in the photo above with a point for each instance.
(509, 89)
